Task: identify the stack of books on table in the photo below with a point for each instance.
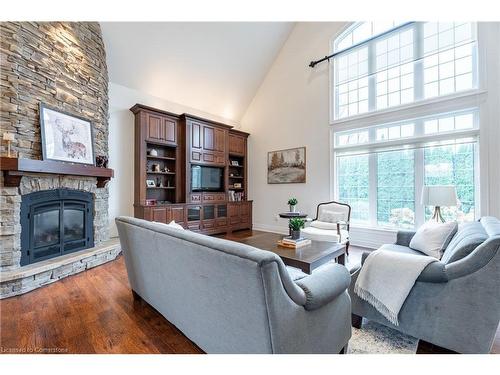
(290, 243)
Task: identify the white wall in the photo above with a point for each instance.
(121, 144)
(291, 109)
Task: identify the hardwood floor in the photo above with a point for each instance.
(95, 312)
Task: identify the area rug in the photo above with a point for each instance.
(374, 338)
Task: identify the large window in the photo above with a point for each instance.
(378, 66)
(383, 159)
(381, 169)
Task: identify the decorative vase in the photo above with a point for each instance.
(153, 152)
(295, 234)
(292, 208)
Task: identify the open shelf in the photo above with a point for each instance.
(161, 187)
(164, 173)
(237, 177)
(161, 157)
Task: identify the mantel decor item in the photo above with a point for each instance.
(101, 161)
(66, 137)
(286, 166)
(439, 196)
(292, 202)
(8, 137)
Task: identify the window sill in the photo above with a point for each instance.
(476, 96)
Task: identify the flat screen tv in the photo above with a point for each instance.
(206, 178)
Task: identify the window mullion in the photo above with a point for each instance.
(418, 52)
(372, 189)
(371, 77)
(419, 183)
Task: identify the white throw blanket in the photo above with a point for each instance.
(386, 279)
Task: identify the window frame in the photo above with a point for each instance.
(474, 98)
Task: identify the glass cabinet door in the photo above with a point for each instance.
(208, 212)
(194, 213)
(222, 210)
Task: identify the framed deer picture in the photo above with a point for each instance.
(66, 137)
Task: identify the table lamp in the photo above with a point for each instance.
(9, 137)
(439, 196)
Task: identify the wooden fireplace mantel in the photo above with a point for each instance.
(14, 169)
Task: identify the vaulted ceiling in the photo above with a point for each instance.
(214, 67)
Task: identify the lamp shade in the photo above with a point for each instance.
(439, 195)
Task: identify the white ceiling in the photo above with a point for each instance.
(214, 67)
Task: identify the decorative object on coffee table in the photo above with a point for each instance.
(8, 137)
(286, 166)
(101, 161)
(296, 224)
(291, 215)
(66, 137)
(292, 202)
(439, 196)
(307, 258)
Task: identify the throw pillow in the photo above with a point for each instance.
(174, 225)
(432, 238)
(331, 216)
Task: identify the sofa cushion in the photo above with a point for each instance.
(400, 249)
(468, 237)
(324, 225)
(432, 238)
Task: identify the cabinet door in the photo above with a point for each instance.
(208, 138)
(177, 214)
(169, 131)
(233, 212)
(159, 215)
(154, 126)
(220, 140)
(236, 144)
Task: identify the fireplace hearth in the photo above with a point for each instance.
(54, 223)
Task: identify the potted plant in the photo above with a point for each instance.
(296, 224)
(292, 202)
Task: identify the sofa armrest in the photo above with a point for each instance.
(324, 285)
(404, 237)
(434, 272)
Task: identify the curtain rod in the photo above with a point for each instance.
(312, 64)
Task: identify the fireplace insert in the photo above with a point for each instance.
(54, 223)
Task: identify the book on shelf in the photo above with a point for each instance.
(236, 196)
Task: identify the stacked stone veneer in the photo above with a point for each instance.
(62, 64)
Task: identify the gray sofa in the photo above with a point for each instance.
(455, 303)
(233, 298)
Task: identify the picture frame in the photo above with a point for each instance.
(65, 136)
(235, 163)
(150, 183)
(287, 166)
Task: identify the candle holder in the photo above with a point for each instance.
(9, 137)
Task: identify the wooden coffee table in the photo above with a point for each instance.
(306, 258)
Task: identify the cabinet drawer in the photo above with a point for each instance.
(195, 198)
(194, 225)
(221, 223)
(214, 197)
(208, 224)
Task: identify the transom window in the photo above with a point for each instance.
(378, 66)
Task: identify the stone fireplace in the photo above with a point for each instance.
(62, 64)
(54, 223)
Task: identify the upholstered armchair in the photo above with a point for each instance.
(331, 224)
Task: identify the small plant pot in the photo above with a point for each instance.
(295, 234)
(292, 208)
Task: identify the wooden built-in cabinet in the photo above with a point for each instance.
(180, 141)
